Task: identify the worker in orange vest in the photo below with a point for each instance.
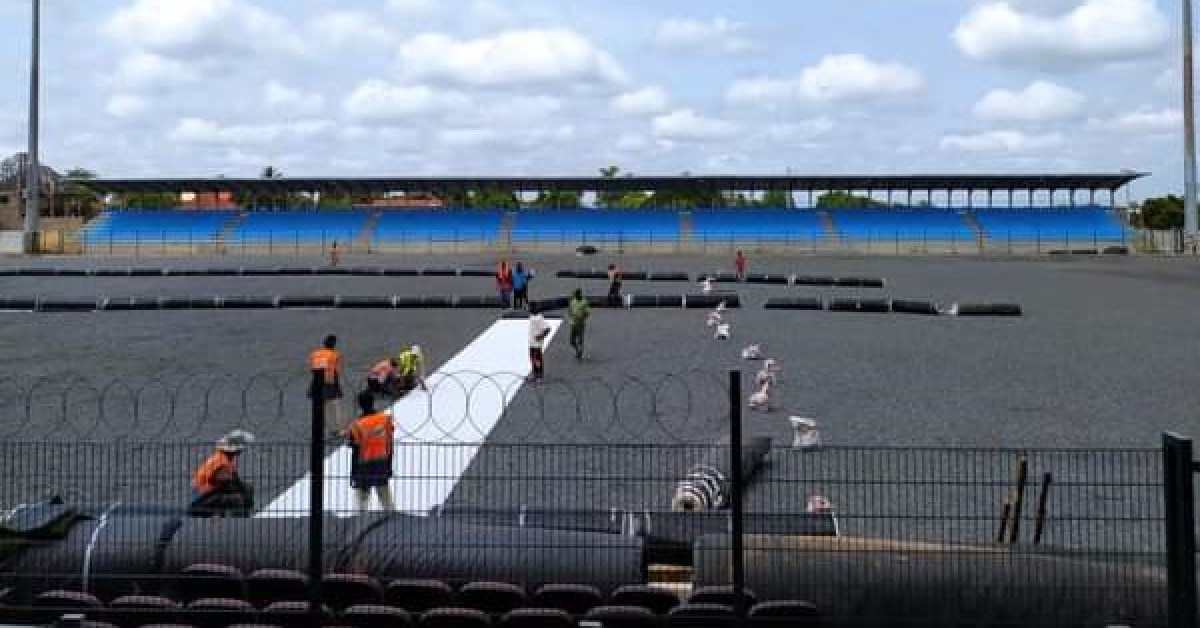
(328, 362)
(372, 439)
(217, 489)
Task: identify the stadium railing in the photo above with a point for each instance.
(1024, 242)
(576, 477)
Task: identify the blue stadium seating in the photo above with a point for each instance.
(596, 225)
(437, 225)
(756, 224)
(302, 227)
(1051, 225)
(130, 226)
(920, 225)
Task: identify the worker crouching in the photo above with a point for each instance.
(217, 489)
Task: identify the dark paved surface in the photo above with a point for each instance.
(1104, 357)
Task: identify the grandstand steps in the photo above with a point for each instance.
(685, 226)
(504, 239)
(362, 242)
(973, 225)
(227, 229)
(830, 231)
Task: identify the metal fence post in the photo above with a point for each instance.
(1180, 519)
(736, 482)
(316, 495)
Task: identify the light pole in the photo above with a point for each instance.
(1189, 130)
(33, 174)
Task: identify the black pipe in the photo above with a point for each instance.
(1040, 526)
(1019, 500)
(316, 495)
(737, 527)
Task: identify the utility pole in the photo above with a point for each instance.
(1189, 129)
(33, 173)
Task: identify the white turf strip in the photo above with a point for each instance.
(437, 433)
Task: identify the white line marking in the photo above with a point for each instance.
(437, 433)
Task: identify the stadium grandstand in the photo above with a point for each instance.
(934, 213)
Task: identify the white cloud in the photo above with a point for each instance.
(144, 70)
(1169, 81)
(480, 137)
(645, 101)
(413, 8)
(200, 28)
(1040, 101)
(125, 106)
(684, 125)
(718, 34)
(631, 142)
(842, 78)
(805, 129)
(278, 96)
(1001, 141)
(204, 131)
(511, 58)
(380, 101)
(1095, 31)
(340, 29)
(1143, 121)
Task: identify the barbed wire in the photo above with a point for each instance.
(458, 407)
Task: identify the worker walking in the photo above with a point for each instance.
(410, 370)
(577, 315)
(739, 266)
(539, 329)
(614, 286)
(521, 277)
(217, 489)
(372, 439)
(328, 362)
(504, 282)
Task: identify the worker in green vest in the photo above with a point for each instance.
(410, 370)
(577, 315)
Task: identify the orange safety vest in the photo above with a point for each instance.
(373, 435)
(503, 274)
(204, 480)
(326, 360)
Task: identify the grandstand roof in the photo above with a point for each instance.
(378, 185)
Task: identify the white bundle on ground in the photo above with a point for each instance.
(761, 399)
(713, 319)
(752, 352)
(722, 332)
(707, 287)
(807, 435)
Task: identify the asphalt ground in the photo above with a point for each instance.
(1103, 358)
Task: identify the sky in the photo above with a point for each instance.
(142, 88)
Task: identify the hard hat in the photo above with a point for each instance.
(235, 441)
(415, 349)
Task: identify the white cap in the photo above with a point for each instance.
(235, 441)
(415, 348)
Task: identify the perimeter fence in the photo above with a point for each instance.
(654, 494)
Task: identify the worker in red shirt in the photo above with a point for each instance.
(504, 282)
(739, 266)
(217, 489)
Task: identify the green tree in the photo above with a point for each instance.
(558, 199)
(82, 174)
(152, 200)
(1165, 212)
(845, 200)
(776, 199)
(271, 172)
(493, 198)
(632, 200)
(606, 198)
